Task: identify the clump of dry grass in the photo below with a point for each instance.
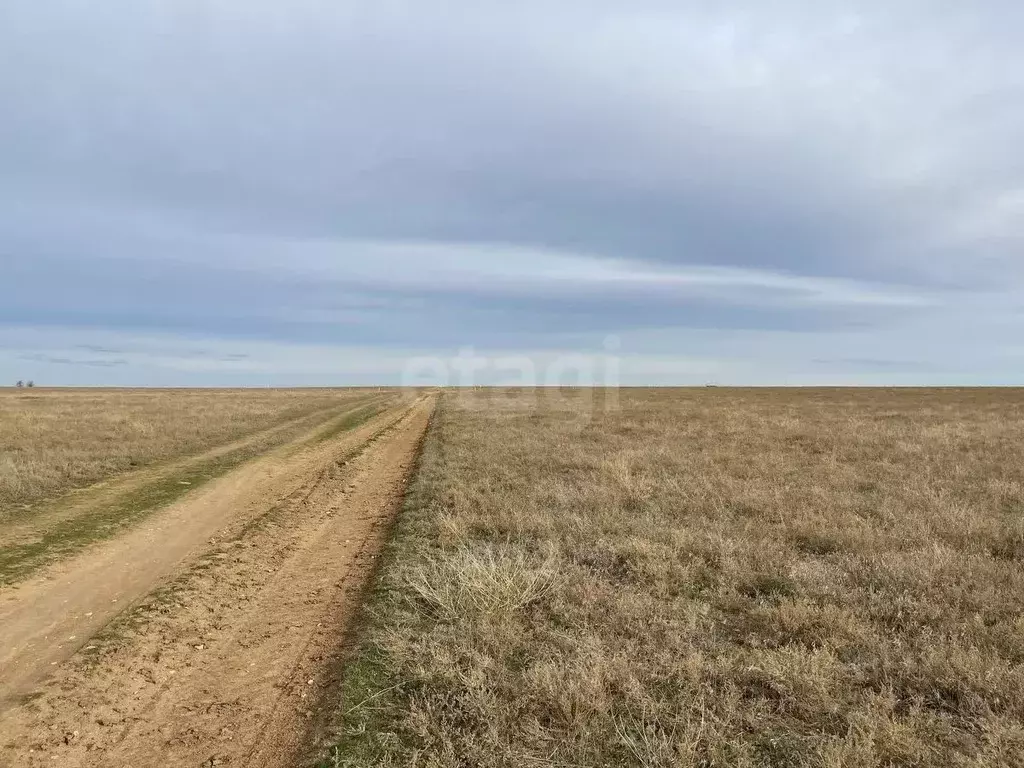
(486, 582)
(704, 578)
(55, 440)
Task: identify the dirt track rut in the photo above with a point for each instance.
(224, 664)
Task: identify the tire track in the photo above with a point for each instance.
(49, 617)
(225, 666)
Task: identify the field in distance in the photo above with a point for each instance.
(53, 440)
(702, 578)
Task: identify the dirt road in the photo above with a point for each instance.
(223, 664)
(56, 529)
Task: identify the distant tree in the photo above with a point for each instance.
(30, 383)
(20, 384)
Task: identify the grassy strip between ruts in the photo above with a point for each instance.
(18, 560)
(172, 593)
(353, 419)
(721, 578)
(56, 440)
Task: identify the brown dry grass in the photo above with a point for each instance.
(704, 578)
(55, 440)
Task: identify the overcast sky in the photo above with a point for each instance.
(319, 191)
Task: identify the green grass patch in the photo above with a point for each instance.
(353, 419)
(371, 692)
(19, 560)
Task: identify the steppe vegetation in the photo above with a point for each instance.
(55, 440)
(702, 578)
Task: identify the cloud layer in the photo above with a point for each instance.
(770, 192)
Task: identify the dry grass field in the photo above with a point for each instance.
(54, 440)
(703, 578)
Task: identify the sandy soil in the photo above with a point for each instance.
(222, 614)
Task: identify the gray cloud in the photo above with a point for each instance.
(98, 349)
(520, 175)
(54, 360)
